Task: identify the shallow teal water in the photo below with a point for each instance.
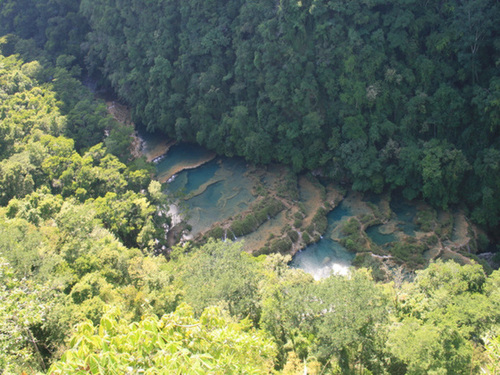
(200, 175)
(340, 212)
(227, 191)
(380, 239)
(180, 154)
(327, 256)
(405, 213)
(151, 140)
(192, 179)
(220, 189)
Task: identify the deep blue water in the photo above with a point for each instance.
(338, 213)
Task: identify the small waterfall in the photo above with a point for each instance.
(159, 158)
(234, 236)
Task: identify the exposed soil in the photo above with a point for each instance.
(313, 200)
(157, 151)
(119, 112)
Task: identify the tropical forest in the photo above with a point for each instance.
(250, 187)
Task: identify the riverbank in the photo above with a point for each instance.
(166, 176)
(379, 233)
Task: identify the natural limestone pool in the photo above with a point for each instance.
(217, 188)
(379, 236)
(210, 189)
(327, 256)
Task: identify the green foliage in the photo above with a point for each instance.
(366, 260)
(320, 221)
(56, 26)
(23, 308)
(353, 238)
(327, 319)
(293, 235)
(442, 315)
(428, 349)
(87, 118)
(26, 108)
(174, 343)
(442, 173)
(426, 219)
(126, 215)
(246, 225)
(267, 208)
(119, 140)
(220, 273)
(281, 245)
(216, 233)
(409, 253)
(306, 238)
(351, 227)
(380, 95)
(63, 265)
(493, 354)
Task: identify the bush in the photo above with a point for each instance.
(410, 253)
(320, 221)
(294, 236)
(289, 189)
(216, 233)
(425, 219)
(281, 246)
(244, 226)
(298, 215)
(306, 238)
(351, 227)
(431, 240)
(365, 260)
(263, 251)
(483, 242)
(265, 209)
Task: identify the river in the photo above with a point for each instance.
(212, 190)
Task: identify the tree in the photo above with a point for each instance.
(443, 169)
(174, 343)
(220, 273)
(328, 319)
(442, 315)
(125, 215)
(23, 307)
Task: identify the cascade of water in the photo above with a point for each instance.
(327, 256)
(159, 158)
(234, 236)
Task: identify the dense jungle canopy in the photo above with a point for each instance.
(380, 95)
